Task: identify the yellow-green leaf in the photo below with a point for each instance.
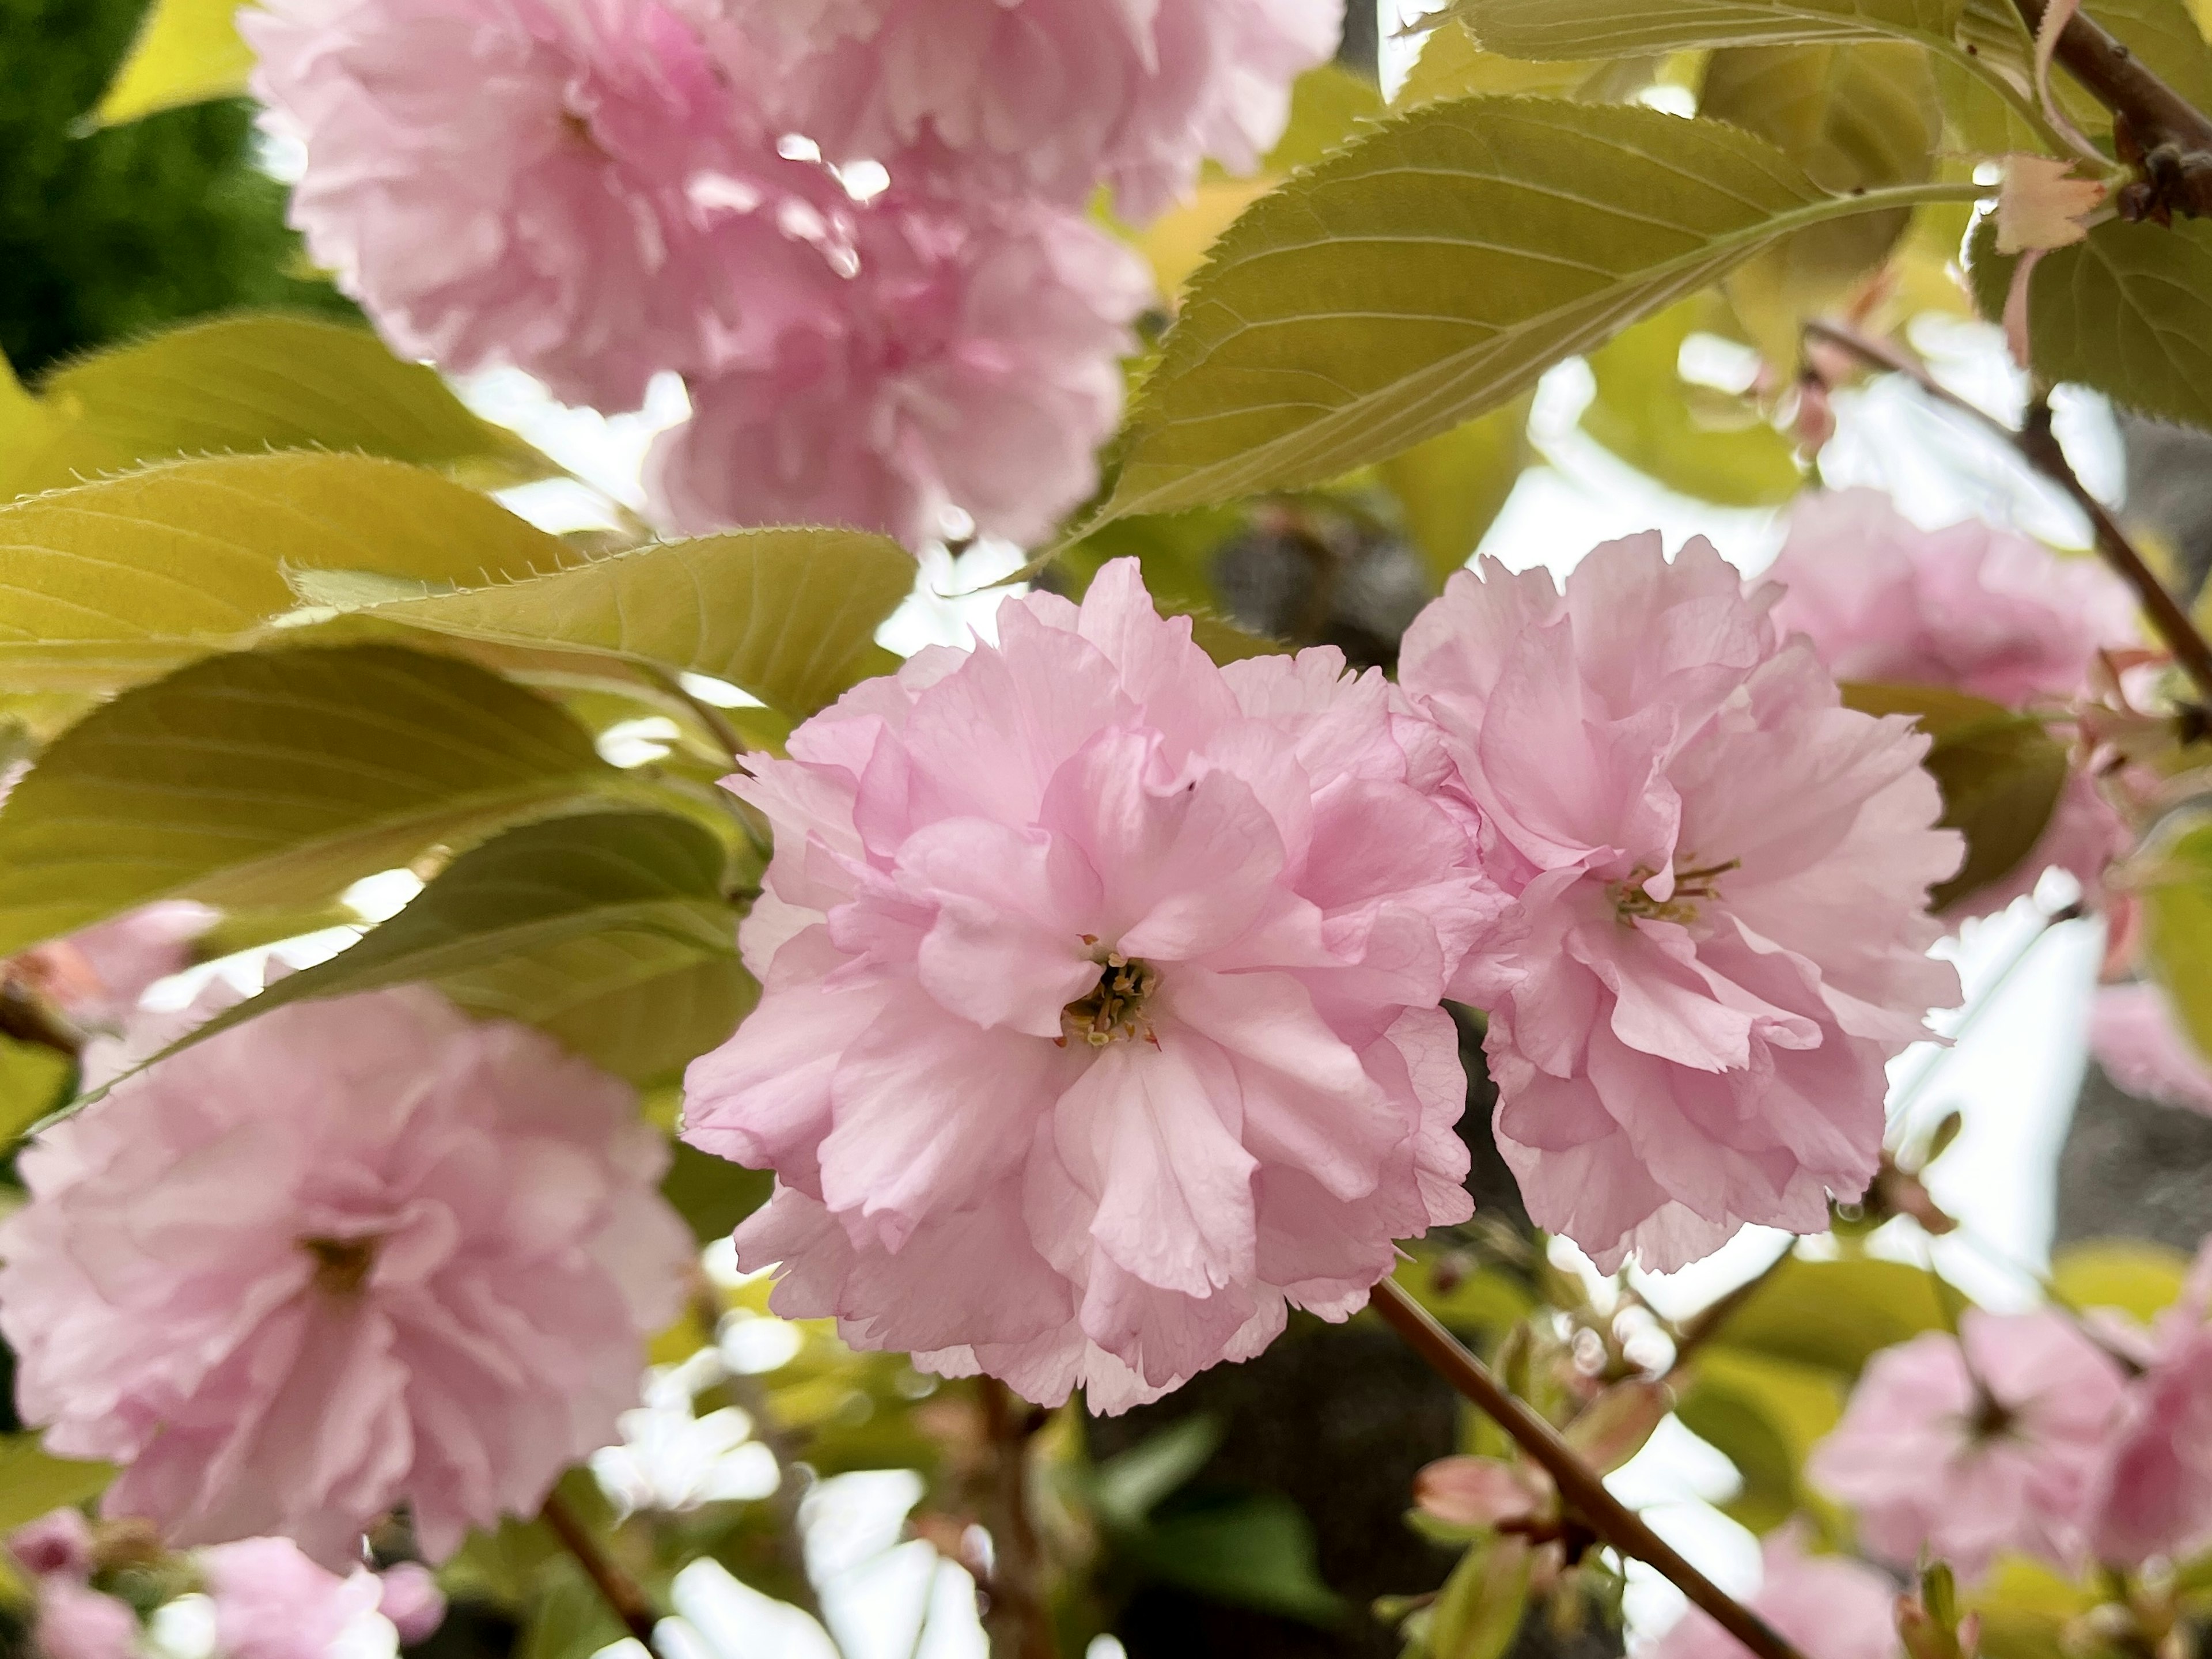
(110, 582)
(2178, 925)
(2129, 311)
(1613, 28)
(1834, 1315)
(1452, 487)
(790, 616)
(188, 51)
(1451, 65)
(245, 385)
(32, 1484)
(1432, 270)
(277, 778)
(2138, 1278)
(1764, 1414)
(33, 1081)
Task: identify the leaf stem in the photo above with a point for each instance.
(2154, 113)
(1579, 1484)
(617, 1588)
(2039, 448)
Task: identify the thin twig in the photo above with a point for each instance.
(617, 1588)
(2040, 449)
(2155, 114)
(1019, 1620)
(1579, 1486)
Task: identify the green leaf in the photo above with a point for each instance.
(275, 779)
(1453, 487)
(1834, 1315)
(2140, 1278)
(243, 385)
(1479, 1611)
(1125, 1487)
(1854, 115)
(1432, 270)
(188, 51)
(32, 1483)
(117, 580)
(1764, 1416)
(1451, 65)
(2001, 774)
(594, 927)
(2128, 312)
(1254, 1549)
(34, 1079)
(789, 615)
(1693, 438)
(2177, 928)
(713, 1193)
(1614, 28)
(1327, 106)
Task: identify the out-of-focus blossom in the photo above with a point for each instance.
(272, 1602)
(1481, 1491)
(1979, 609)
(350, 1255)
(97, 976)
(2141, 1045)
(670, 1459)
(576, 187)
(1828, 1606)
(2153, 1492)
(58, 1543)
(1723, 873)
(971, 361)
(1724, 877)
(1047, 98)
(1973, 1445)
(1973, 609)
(1100, 1014)
(75, 1621)
(408, 1594)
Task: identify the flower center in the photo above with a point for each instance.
(342, 1265)
(1115, 1009)
(1692, 888)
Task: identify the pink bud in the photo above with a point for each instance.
(1480, 1492)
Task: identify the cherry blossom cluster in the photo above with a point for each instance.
(856, 228)
(2073, 1443)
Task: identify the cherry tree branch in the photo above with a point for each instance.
(1579, 1484)
(2157, 115)
(2039, 446)
(622, 1593)
(1018, 1620)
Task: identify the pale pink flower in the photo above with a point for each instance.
(972, 360)
(349, 1255)
(1969, 608)
(2152, 1496)
(1045, 98)
(1101, 1012)
(1829, 1606)
(410, 1597)
(97, 976)
(576, 187)
(75, 1621)
(1974, 1445)
(1724, 874)
(2141, 1045)
(59, 1542)
(272, 1602)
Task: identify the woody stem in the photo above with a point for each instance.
(621, 1592)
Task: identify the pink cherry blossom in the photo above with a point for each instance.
(1828, 1606)
(1971, 608)
(576, 187)
(347, 1256)
(1970, 1446)
(410, 1597)
(272, 1602)
(59, 1542)
(2141, 1045)
(1723, 873)
(96, 976)
(2152, 1496)
(1044, 98)
(74, 1621)
(970, 361)
(1101, 1012)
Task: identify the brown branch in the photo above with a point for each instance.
(617, 1588)
(2040, 449)
(1019, 1620)
(2156, 116)
(1580, 1486)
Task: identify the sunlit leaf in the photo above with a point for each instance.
(1834, 1315)
(245, 385)
(32, 1483)
(2178, 925)
(2138, 1278)
(34, 1079)
(1451, 65)
(789, 615)
(188, 51)
(278, 778)
(1453, 487)
(1431, 271)
(1610, 28)
(1764, 1414)
(1479, 1611)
